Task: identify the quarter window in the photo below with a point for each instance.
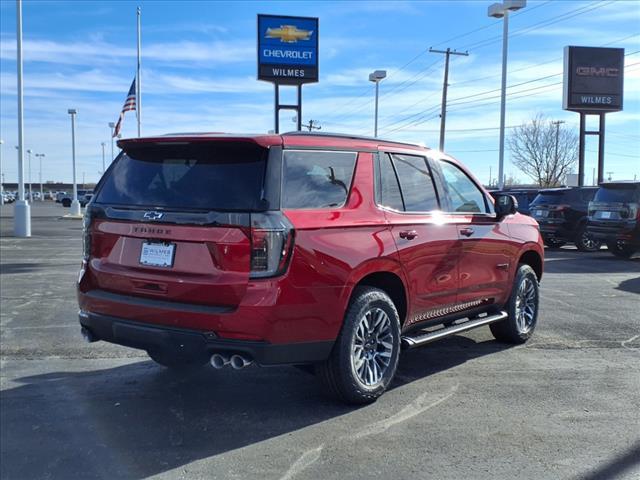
(390, 195)
(316, 179)
(464, 194)
(418, 191)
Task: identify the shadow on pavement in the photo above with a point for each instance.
(631, 285)
(10, 268)
(616, 467)
(138, 420)
(583, 262)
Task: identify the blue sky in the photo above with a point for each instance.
(199, 74)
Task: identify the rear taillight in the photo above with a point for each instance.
(86, 233)
(271, 244)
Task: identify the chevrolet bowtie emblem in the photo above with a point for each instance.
(153, 215)
(288, 33)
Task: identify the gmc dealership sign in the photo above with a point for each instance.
(593, 79)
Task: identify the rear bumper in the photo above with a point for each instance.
(196, 344)
(628, 232)
(557, 231)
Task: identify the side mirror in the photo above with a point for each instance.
(505, 204)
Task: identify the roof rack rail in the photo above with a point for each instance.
(352, 137)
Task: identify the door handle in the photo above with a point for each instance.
(408, 234)
(467, 232)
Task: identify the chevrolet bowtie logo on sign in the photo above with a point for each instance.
(287, 49)
(288, 33)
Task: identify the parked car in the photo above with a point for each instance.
(304, 249)
(8, 197)
(524, 197)
(60, 196)
(562, 216)
(82, 198)
(614, 217)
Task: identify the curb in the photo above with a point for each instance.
(70, 217)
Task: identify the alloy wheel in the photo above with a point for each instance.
(526, 305)
(372, 347)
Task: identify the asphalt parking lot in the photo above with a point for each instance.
(564, 406)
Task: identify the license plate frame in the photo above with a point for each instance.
(605, 215)
(157, 254)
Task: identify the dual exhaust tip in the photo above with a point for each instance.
(237, 361)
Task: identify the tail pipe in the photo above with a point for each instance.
(237, 361)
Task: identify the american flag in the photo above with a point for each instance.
(129, 105)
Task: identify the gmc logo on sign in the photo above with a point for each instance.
(597, 72)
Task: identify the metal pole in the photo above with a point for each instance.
(30, 185)
(601, 150)
(22, 210)
(138, 79)
(277, 109)
(112, 126)
(299, 107)
(375, 122)
(75, 205)
(40, 155)
(1, 176)
(581, 151)
(103, 145)
(503, 97)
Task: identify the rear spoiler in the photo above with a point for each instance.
(261, 140)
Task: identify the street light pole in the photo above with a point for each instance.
(41, 156)
(112, 126)
(501, 10)
(29, 152)
(22, 210)
(103, 145)
(75, 205)
(376, 77)
(1, 175)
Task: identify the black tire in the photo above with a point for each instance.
(553, 243)
(66, 203)
(512, 329)
(621, 250)
(339, 374)
(174, 362)
(585, 242)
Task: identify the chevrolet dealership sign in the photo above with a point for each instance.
(593, 79)
(287, 49)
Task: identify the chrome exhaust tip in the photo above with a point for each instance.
(239, 361)
(218, 360)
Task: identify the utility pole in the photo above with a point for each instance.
(443, 115)
(313, 125)
(41, 156)
(609, 175)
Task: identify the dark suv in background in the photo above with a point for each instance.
(562, 214)
(524, 197)
(614, 217)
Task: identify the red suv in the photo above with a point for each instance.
(305, 249)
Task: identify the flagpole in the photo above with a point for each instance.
(138, 80)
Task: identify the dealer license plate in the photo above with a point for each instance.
(605, 214)
(157, 254)
(541, 213)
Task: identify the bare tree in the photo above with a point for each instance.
(544, 150)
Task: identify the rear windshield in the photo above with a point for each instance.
(618, 194)
(223, 176)
(550, 197)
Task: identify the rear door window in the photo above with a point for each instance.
(416, 183)
(313, 179)
(206, 176)
(464, 194)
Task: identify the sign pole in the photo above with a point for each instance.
(277, 108)
(299, 110)
(581, 151)
(601, 150)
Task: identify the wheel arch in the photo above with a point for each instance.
(534, 260)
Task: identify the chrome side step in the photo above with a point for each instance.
(419, 340)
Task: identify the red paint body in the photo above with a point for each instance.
(334, 249)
